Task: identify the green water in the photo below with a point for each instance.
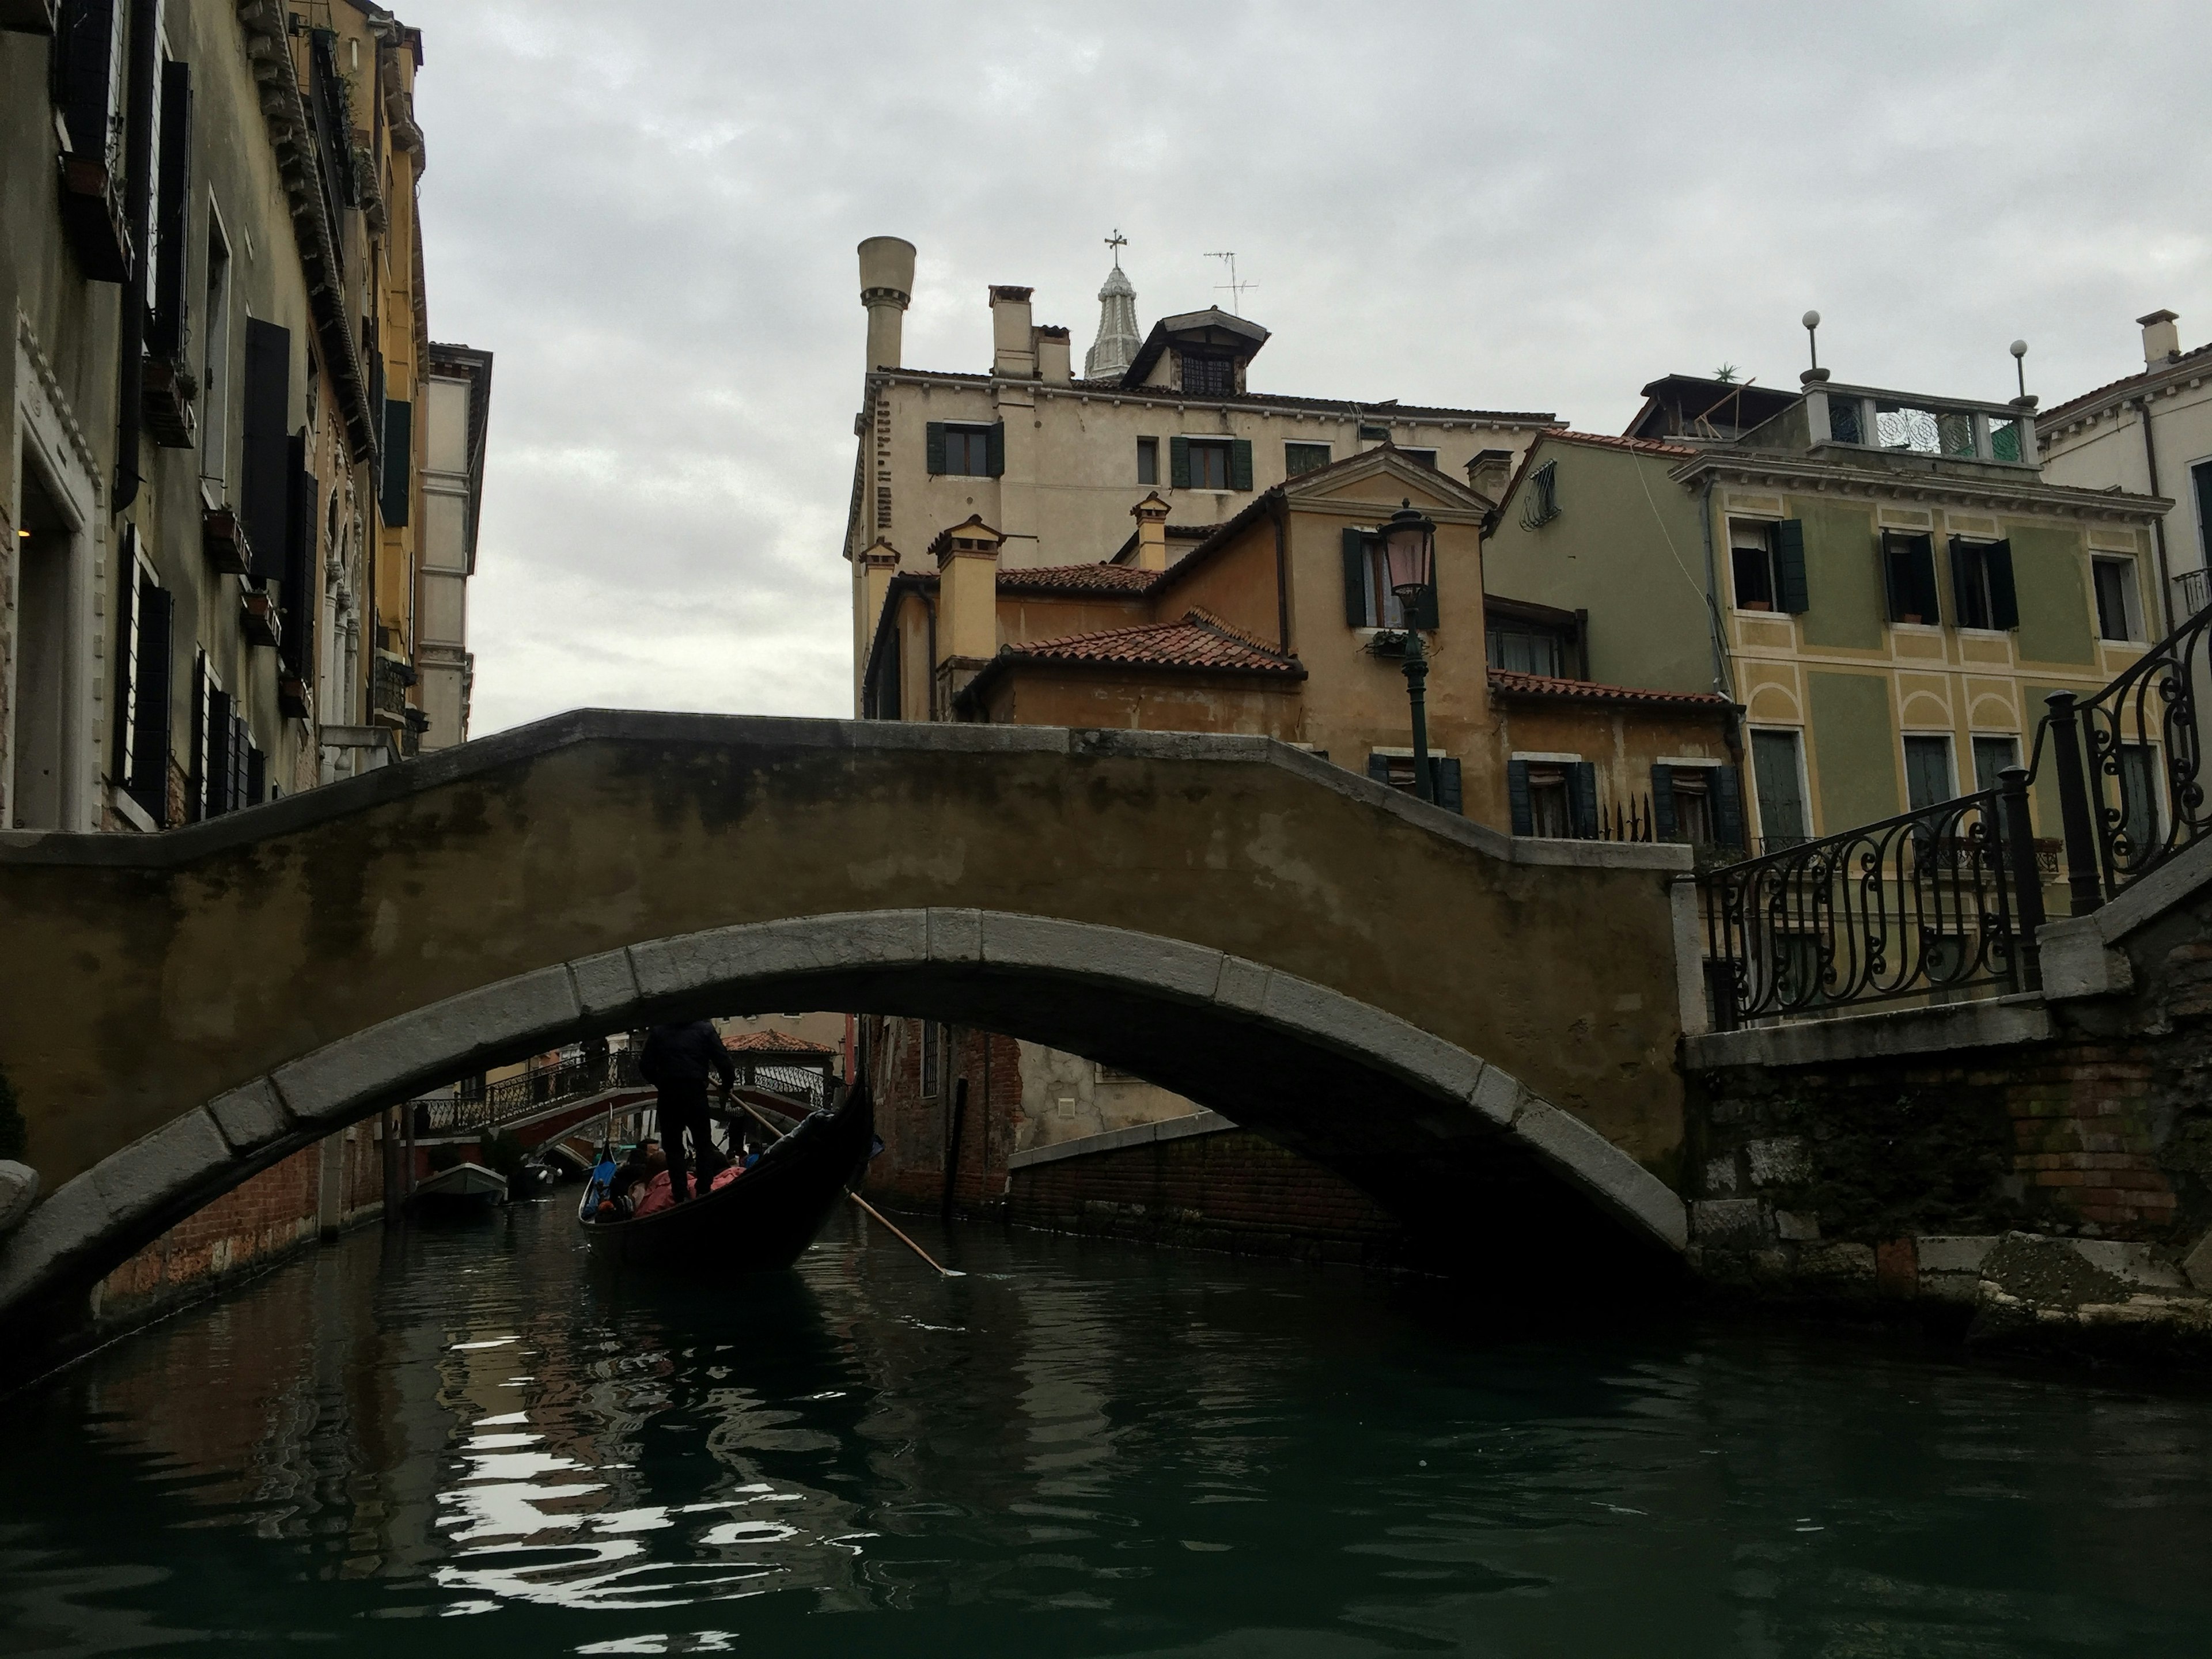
(470, 1441)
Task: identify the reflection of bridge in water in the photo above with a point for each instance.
(1479, 1031)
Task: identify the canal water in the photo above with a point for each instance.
(471, 1440)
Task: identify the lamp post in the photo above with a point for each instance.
(1409, 553)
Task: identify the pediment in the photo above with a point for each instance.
(1386, 478)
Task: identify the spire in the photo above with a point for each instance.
(1116, 345)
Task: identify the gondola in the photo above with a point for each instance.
(762, 1221)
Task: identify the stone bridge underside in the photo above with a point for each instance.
(1480, 1032)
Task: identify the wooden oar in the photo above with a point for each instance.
(768, 1124)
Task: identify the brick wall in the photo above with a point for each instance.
(917, 1130)
(1234, 1191)
(248, 1227)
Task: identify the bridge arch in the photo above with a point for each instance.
(1432, 1130)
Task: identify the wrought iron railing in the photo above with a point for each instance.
(1938, 902)
(514, 1098)
(2130, 766)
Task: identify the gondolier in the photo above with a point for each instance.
(677, 1062)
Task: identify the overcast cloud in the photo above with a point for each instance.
(648, 211)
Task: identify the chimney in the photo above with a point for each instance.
(2162, 339)
(879, 562)
(967, 593)
(886, 288)
(1013, 353)
(1152, 516)
(1055, 356)
(1489, 471)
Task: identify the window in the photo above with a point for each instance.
(2116, 597)
(1209, 463)
(1992, 755)
(1549, 810)
(1908, 560)
(1205, 374)
(1553, 797)
(1844, 422)
(929, 1033)
(1981, 584)
(1368, 600)
(1702, 804)
(1779, 777)
(1395, 768)
(1374, 434)
(2200, 476)
(2138, 802)
(1540, 496)
(215, 372)
(1299, 459)
(1425, 457)
(1148, 460)
(1523, 649)
(1927, 777)
(967, 451)
(1751, 558)
(139, 762)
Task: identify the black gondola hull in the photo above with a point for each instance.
(763, 1221)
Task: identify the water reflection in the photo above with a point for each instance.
(479, 1431)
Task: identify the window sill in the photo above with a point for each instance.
(131, 812)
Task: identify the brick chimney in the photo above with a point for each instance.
(1013, 350)
(1152, 516)
(2162, 339)
(886, 288)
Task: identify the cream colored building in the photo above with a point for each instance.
(2149, 434)
(457, 409)
(1055, 463)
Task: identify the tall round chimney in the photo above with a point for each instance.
(886, 286)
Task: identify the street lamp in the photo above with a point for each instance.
(1409, 554)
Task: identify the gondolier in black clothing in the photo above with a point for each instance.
(677, 1062)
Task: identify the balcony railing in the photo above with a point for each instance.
(2192, 591)
(513, 1099)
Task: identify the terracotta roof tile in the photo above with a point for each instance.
(1197, 641)
(1079, 579)
(773, 1043)
(1505, 683)
(1607, 440)
(1375, 413)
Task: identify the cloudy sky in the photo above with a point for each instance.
(648, 211)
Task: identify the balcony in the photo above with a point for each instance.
(170, 390)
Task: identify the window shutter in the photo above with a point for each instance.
(241, 745)
(1240, 464)
(196, 789)
(994, 451)
(169, 336)
(1728, 806)
(150, 745)
(2004, 601)
(89, 64)
(257, 777)
(1962, 604)
(1446, 774)
(264, 488)
(1663, 803)
(217, 770)
(1516, 798)
(1789, 566)
(1355, 579)
(1924, 580)
(935, 441)
(297, 640)
(1582, 798)
(126, 660)
(1178, 463)
(399, 461)
(1378, 767)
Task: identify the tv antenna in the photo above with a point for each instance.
(1233, 287)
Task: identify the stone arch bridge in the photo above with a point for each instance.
(1479, 1031)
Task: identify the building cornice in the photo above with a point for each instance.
(2169, 380)
(1819, 477)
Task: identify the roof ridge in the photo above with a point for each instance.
(1513, 679)
(1200, 617)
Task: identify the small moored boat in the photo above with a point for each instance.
(464, 1185)
(764, 1219)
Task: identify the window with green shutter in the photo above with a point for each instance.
(1908, 559)
(965, 449)
(1178, 463)
(1211, 463)
(1301, 458)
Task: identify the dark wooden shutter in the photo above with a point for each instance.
(1924, 580)
(87, 60)
(265, 486)
(297, 643)
(994, 451)
(257, 777)
(126, 658)
(934, 445)
(1663, 803)
(1789, 566)
(1582, 798)
(1516, 798)
(1728, 806)
(1240, 464)
(151, 745)
(399, 462)
(1962, 592)
(1378, 767)
(1178, 463)
(221, 726)
(2004, 600)
(168, 337)
(1445, 774)
(195, 788)
(241, 748)
(1355, 579)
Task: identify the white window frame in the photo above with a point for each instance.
(1773, 575)
(2130, 594)
(217, 352)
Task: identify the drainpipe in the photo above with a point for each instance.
(138, 216)
(2158, 525)
(1721, 683)
(1279, 509)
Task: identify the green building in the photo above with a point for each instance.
(1884, 583)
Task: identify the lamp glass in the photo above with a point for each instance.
(1409, 550)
